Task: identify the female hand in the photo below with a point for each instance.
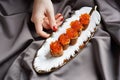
(43, 17)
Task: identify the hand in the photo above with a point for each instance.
(43, 17)
(58, 18)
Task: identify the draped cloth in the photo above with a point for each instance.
(99, 60)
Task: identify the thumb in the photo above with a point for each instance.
(51, 18)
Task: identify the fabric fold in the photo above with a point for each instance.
(99, 60)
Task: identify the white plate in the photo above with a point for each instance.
(44, 62)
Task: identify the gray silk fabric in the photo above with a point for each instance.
(99, 60)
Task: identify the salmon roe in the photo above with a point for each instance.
(64, 39)
(84, 19)
(76, 25)
(71, 33)
(55, 47)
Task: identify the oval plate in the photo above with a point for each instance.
(44, 62)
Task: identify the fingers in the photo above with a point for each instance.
(51, 18)
(38, 21)
(39, 30)
(58, 18)
(59, 23)
(39, 24)
(58, 15)
(46, 24)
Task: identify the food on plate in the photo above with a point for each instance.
(64, 41)
(76, 25)
(56, 49)
(73, 35)
(84, 20)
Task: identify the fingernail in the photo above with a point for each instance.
(62, 19)
(55, 28)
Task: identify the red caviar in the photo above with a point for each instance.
(64, 39)
(76, 25)
(71, 33)
(84, 19)
(56, 48)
